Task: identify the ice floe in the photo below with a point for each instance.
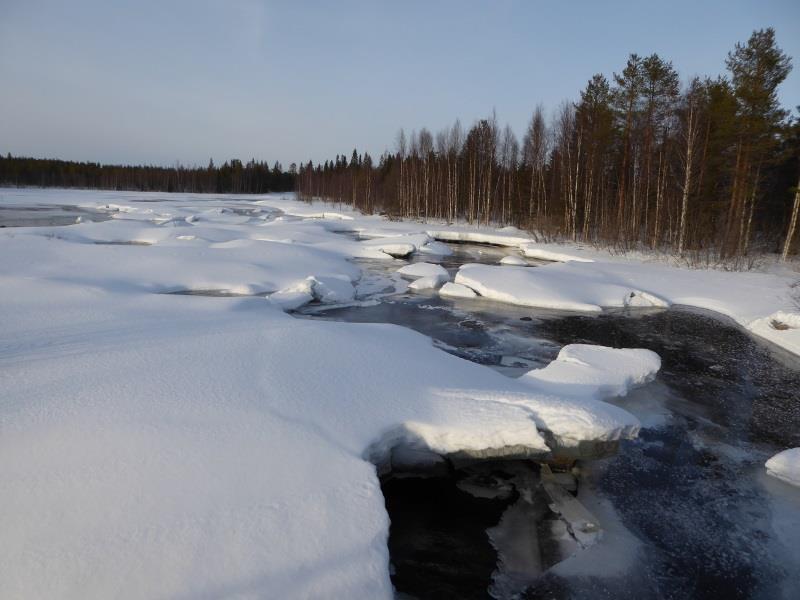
(786, 466)
(456, 290)
(597, 372)
(423, 269)
(513, 260)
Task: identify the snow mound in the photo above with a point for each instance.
(423, 269)
(437, 248)
(638, 298)
(332, 290)
(781, 327)
(564, 286)
(595, 372)
(542, 254)
(513, 260)
(391, 243)
(785, 466)
(517, 285)
(431, 282)
(293, 296)
(456, 290)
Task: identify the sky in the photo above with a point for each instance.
(184, 81)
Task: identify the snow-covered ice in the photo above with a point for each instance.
(158, 444)
(456, 290)
(435, 248)
(428, 276)
(543, 254)
(423, 269)
(430, 282)
(513, 260)
(595, 372)
(786, 466)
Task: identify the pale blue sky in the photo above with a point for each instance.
(162, 81)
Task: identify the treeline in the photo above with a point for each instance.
(231, 177)
(639, 161)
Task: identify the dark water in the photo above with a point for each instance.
(438, 541)
(691, 489)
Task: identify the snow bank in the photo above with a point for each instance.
(557, 286)
(518, 285)
(542, 254)
(785, 466)
(781, 328)
(638, 298)
(494, 237)
(456, 290)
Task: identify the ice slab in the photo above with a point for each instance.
(785, 466)
(513, 260)
(423, 269)
(596, 372)
(456, 290)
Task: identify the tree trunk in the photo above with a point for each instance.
(787, 244)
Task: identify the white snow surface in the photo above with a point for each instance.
(595, 372)
(513, 260)
(423, 269)
(785, 466)
(456, 290)
(162, 445)
(543, 254)
(431, 282)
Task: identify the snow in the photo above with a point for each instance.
(543, 254)
(169, 445)
(785, 466)
(333, 289)
(431, 282)
(456, 290)
(424, 269)
(513, 260)
(525, 287)
(595, 372)
(436, 248)
(638, 298)
(428, 276)
(496, 237)
(398, 250)
(781, 328)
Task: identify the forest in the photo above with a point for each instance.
(231, 177)
(706, 169)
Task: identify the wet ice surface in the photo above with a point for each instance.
(47, 215)
(691, 492)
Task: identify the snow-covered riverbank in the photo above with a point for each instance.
(157, 443)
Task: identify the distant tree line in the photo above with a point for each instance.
(231, 177)
(638, 161)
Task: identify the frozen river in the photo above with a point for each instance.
(149, 364)
(687, 508)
